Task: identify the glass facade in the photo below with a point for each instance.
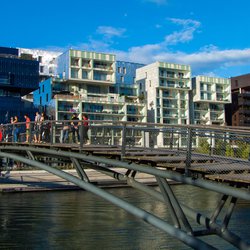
(18, 77)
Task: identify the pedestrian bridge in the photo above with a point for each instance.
(212, 158)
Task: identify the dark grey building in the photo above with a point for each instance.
(18, 77)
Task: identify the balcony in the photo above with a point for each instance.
(102, 66)
(67, 97)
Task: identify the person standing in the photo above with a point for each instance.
(28, 128)
(45, 128)
(85, 128)
(75, 129)
(16, 129)
(65, 130)
(1, 133)
(37, 128)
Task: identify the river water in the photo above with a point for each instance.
(80, 220)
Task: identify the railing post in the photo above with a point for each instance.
(189, 151)
(52, 132)
(211, 145)
(81, 134)
(13, 133)
(30, 132)
(171, 138)
(124, 131)
(144, 138)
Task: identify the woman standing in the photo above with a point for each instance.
(16, 129)
(85, 129)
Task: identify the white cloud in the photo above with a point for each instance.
(186, 34)
(94, 45)
(143, 54)
(109, 31)
(200, 61)
(208, 58)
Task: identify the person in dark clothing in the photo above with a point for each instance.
(75, 128)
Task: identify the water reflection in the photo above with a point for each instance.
(80, 220)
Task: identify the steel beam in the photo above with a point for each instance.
(210, 185)
(140, 213)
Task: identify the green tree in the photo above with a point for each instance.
(203, 146)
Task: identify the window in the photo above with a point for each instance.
(42, 69)
(119, 70)
(75, 62)
(122, 79)
(94, 89)
(124, 70)
(170, 74)
(74, 73)
(51, 70)
(84, 74)
(40, 59)
(47, 97)
(180, 75)
(43, 89)
(112, 90)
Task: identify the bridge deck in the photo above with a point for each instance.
(39, 180)
(214, 167)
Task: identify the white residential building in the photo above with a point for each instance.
(210, 94)
(167, 87)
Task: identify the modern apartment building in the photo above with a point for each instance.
(87, 84)
(167, 88)
(210, 95)
(18, 77)
(240, 107)
(106, 89)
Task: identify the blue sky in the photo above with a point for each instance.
(212, 36)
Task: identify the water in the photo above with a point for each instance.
(80, 220)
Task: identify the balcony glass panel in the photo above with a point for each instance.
(74, 73)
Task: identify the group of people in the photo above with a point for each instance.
(39, 130)
(73, 127)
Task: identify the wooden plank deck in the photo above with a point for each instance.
(232, 178)
(221, 167)
(39, 180)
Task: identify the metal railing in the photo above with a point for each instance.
(206, 150)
